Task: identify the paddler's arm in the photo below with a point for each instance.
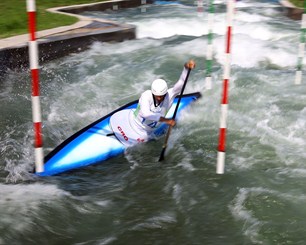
(179, 84)
(178, 87)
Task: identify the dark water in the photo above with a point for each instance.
(132, 199)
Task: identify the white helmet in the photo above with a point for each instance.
(159, 87)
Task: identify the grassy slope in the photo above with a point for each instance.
(14, 20)
(298, 3)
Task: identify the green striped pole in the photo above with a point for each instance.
(298, 74)
(209, 51)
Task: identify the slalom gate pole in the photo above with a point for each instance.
(298, 74)
(200, 7)
(224, 99)
(36, 111)
(209, 50)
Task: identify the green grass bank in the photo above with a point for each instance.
(14, 19)
(298, 3)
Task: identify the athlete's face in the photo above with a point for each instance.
(159, 99)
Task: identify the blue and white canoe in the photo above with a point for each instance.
(98, 142)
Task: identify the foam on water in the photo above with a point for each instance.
(20, 204)
(249, 202)
(17, 163)
(266, 143)
(164, 28)
(160, 221)
(248, 28)
(252, 225)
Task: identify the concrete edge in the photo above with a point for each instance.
(291, 11)
(288, 4)
(83, 20)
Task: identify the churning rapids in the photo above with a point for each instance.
(132, 199)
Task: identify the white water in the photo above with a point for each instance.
(259, 200)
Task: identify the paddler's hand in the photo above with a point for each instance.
(190, 64)
(170, 122)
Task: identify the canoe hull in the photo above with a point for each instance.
(91, 145)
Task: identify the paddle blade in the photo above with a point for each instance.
(162, 154)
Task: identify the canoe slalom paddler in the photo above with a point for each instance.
(154, 104)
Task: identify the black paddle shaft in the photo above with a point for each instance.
(162, 157)
(180, 97)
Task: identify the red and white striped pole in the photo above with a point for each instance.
(36, 112)
(224, 99)
(200, 7)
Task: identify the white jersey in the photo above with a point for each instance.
(146, 116)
